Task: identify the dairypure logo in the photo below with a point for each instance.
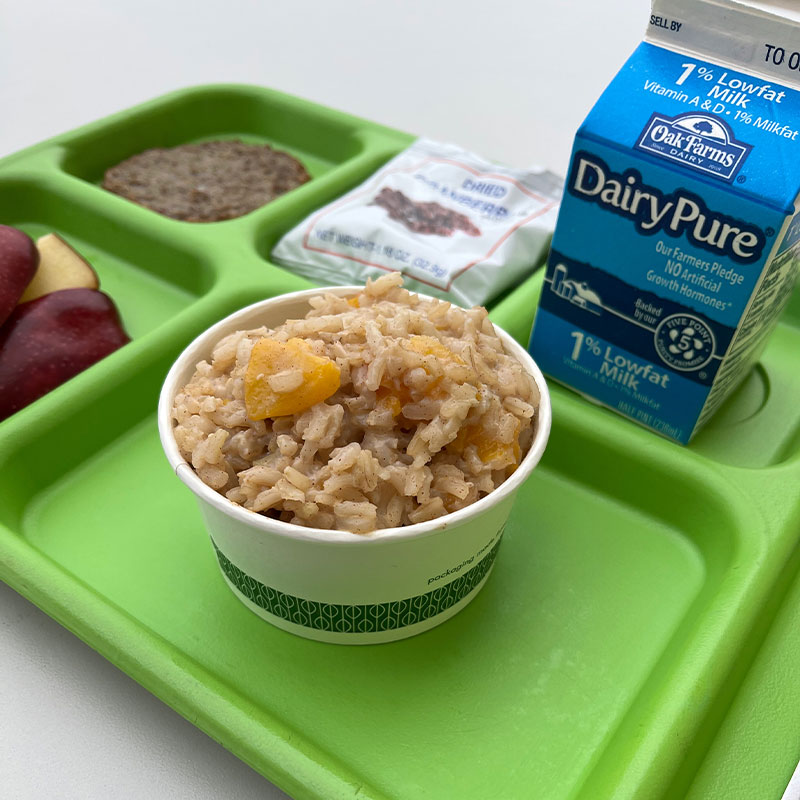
(699, 141)
(678, 213)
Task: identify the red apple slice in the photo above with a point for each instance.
(18, 261)
(49, 340)
(60, 267)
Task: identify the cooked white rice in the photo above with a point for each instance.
(414, 431)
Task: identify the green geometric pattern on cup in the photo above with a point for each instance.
(356, 618)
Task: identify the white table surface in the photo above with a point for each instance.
(511, 81)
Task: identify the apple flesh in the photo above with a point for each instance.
(19, 259)
(60, 267)
(51, 339)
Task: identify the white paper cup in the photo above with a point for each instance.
(336, 586)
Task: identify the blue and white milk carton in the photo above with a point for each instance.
(677, 243)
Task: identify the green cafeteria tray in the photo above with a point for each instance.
(629, 601)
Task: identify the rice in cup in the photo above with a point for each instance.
(424, 412)
(355, 464)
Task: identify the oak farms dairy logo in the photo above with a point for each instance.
(699, 141)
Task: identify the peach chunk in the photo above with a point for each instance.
(491, 450)
(429, 346)
(488, 449)
(386, 398)
(284, 378)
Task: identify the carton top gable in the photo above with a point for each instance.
(720, 107)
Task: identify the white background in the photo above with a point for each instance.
(511, 81)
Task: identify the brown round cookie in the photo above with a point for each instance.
(206, 182)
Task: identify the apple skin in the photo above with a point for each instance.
(51, 339)
(19, 259)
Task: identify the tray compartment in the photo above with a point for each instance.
(756, 749)
(320, 138)
(759, 424)
(587, 568)
(52, 445)
(150, 277)
(631, 573)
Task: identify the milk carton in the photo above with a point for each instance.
(677, 243)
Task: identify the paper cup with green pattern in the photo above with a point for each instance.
(336, 586)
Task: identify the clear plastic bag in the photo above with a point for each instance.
(457, 226)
